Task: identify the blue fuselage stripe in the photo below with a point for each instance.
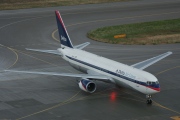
(113, 73)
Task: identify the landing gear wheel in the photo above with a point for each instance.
(149, 101)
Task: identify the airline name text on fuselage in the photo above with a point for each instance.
(121, 72)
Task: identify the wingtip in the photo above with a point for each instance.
(170, 52)
(7, 70)
(28, 49)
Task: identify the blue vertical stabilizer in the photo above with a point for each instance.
(63, 35)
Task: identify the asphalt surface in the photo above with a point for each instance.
(38, 97)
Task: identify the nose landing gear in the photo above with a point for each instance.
(149, 100)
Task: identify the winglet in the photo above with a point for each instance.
(63, 34)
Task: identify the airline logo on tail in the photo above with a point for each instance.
(63, 38)
(63, 35)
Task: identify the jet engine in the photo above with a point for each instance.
(87, 85)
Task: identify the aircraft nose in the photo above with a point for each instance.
(153, 89)
(158, 88)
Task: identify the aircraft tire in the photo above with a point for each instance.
(149, 101)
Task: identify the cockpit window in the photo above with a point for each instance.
(149, 82)
(152, 83)
(157, 82)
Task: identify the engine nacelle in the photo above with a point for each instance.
(87, 86)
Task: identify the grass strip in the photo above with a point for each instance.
(157, 32)
(21, 4)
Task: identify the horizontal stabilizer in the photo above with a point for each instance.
(81, 46)
(56, 52)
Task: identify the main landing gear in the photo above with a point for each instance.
(149, 100)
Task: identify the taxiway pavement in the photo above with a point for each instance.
(37, 97)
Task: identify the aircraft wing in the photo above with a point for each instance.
(64, 74)
(56, 52)
(81, 46)
(144, 64)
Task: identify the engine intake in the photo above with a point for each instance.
(87, 86)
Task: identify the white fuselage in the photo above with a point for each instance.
(121, 74)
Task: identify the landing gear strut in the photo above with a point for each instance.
(149, 101)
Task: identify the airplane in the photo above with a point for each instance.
(95, 67)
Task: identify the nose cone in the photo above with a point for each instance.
(157, 88)
(152, 84)
(152, 89)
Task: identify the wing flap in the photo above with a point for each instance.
(144, 64)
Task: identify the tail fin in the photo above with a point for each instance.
(63, 35)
